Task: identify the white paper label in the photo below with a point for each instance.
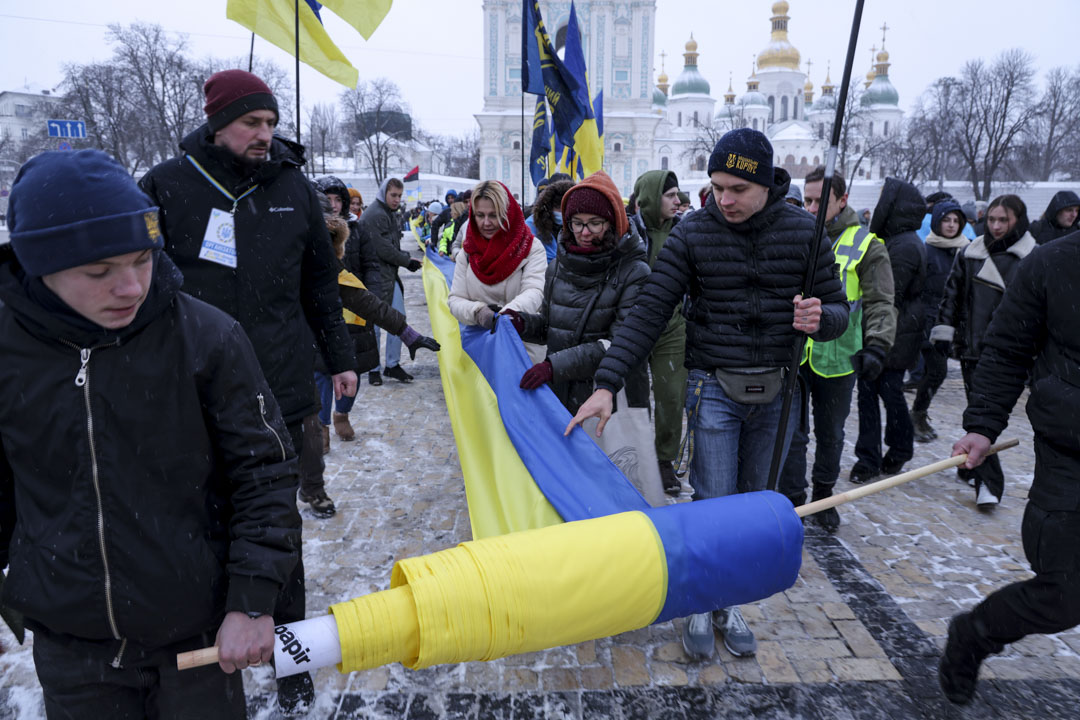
(219, 242)
(306, 645)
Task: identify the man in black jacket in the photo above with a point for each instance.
(1061, 218)
(741, 262)
(1035, 333)
(245, 228)
(380, 230)
(146, 481)
(897, 217)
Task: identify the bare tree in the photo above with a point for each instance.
(374, 120)
(454, 155)
(161, 82)
(704, 140)
(993, 109)
(1055, 126)
(96, 93)
(323, 131)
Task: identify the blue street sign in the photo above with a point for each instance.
(64, 145)
(66, 128)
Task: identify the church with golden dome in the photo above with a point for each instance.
(652, 121)
(779, 100)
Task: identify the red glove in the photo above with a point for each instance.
(537, 375)
(515, 319)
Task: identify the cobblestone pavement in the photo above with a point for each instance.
(857, 636)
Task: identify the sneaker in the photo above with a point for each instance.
(697, 637)
(924, 431)
(986, 500)
(964, 652)
(320, 503)
(672, 486)
(374, 378)
(295, 694)
(738, 638)
(398, 373)
(325, 439)
(862, 474)
(343, 428)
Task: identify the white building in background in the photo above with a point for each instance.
(667, 126)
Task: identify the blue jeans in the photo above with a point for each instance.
(325, 384)
(732, 442)
(393, 342)
(831, 402)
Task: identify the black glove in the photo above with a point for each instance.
(423, 342)
(496, 310)
(942, 347)
(868, 363)
(414, 265)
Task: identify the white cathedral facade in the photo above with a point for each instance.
(656, 125)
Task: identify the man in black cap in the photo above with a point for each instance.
(740, 262)
(147, 486)
(246, 229)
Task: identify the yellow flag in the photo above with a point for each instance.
(364, 15)
(274, 21)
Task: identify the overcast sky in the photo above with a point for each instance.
(433, 48)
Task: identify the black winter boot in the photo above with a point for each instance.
(924, 431)
(672, 486)
(829, 520)
(964, 652)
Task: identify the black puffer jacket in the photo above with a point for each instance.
(586, 298)
(741, 279)
(177, 430)
(286, 274)
(899, 213)
(975, 287)
(1047, 229)
(1036, 330)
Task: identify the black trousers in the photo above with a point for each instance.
(899, 432)
(937, 368)
(989, 473)
(291, 602)
(830, 400)
(78, 681)
(1050, 601)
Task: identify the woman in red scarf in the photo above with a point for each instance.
(500, 266)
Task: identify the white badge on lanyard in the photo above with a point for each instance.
(219, 242)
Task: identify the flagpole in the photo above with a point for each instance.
(251, 53)
(296, 28)
(523, 133)
(811, 265)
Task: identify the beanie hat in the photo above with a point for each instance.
(434, 207)
(354, 193)
(671, 181)
(584, 199)
(72, 208)
(232, 93)
(745, 153)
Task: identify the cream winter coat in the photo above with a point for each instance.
(523, 291)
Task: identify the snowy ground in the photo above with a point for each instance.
(857, 636)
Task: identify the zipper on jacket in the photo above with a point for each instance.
(119, 654)
(262, 413)
(82, 379)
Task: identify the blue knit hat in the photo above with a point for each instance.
(71, 208)
(745, 153)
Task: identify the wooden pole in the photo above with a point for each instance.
(197, 658)
(872, 488)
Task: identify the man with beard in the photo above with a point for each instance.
(245, 228)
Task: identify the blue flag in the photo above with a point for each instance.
(541, 142)
(598, 110)
(565, 85)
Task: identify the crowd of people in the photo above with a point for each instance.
(182, 348)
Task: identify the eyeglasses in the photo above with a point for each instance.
(595, 226)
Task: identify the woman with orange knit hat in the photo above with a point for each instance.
(592, 284)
